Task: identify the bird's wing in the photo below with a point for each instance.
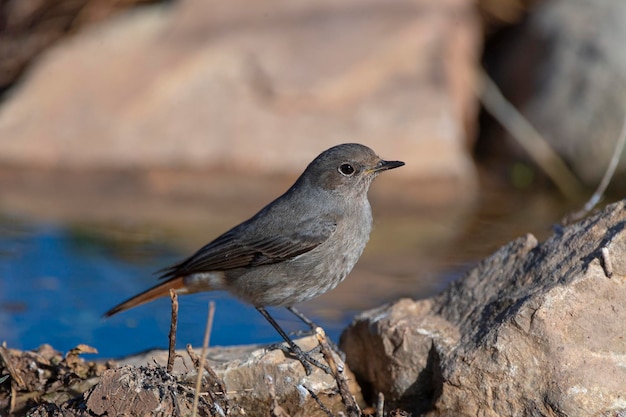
(241, 248)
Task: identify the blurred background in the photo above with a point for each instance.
(132, 132)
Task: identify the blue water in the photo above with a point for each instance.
(56, 282)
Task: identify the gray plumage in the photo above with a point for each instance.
(299, 246)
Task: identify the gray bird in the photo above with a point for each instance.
(297, 247)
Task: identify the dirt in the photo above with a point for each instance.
(45, 382)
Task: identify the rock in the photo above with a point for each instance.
(535, 329)
(133, 391)
(139, 391)
(391, 349)
(215, 85)
(562, 67)
(30, 26)
(258, 380)
(247, 381)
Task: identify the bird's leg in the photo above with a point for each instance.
(294, 349)
(305, 320)
(313, 326)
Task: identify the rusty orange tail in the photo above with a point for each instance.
(158, 291)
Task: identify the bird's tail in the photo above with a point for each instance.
(158, 291)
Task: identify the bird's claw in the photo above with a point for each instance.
(305, 358)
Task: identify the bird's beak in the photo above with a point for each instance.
(386, 165)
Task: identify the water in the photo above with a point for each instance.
(56, 283)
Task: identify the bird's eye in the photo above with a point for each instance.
(346, 169)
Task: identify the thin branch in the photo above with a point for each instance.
(171, 353)
(380, 405)
(610, 170)
(205, 345)
(318, 401)
(16, 378)
(337, 367)
(528, 137)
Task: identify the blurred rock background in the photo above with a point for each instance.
(561, 65)
(202, 85)
(239, 86)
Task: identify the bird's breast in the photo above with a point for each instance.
(310, 274)
(329, 263)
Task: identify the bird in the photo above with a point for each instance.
(299, 246)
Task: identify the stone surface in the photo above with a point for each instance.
(536, 329)
(563, 68)
(28, 27)
(135, 391)
(391, 348)
(139, 391)
(247, 381)
(258, 379)
(213, 84)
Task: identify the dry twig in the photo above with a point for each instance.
(214, 378)
(337, 367)
(171, 354)
(606, 179)
(16, 378)
(380, 405)
(205, 345)
(318, 401)
(528, 137)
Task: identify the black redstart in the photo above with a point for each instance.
(297, 247)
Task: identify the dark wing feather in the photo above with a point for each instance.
(241, 248)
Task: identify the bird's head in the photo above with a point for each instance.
(347, 168)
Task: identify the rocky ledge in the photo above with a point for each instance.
(536, 329)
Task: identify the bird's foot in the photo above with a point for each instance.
(304, 357)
